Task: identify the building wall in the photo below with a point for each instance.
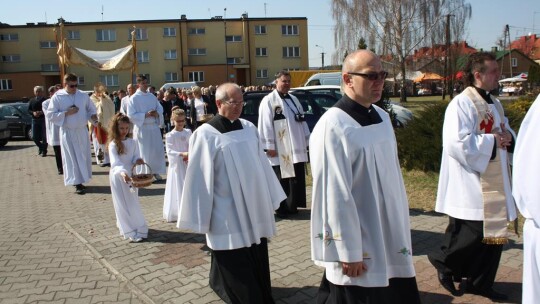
(523, 64)
(39, 65)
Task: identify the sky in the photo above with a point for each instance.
(489, 17)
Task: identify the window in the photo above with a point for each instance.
(170, 54)
(80, 80)
(262, 73)
(291, 51)
(109, 80)
(196, 31)
(234, 60)
(5, 84)
(47, 44)
(73, 35)
(9, 37)
(169, 32)
(289, 30)
(261, 52)
(171, 76)
(106, 35)
(197, 52)
(143, 56)
(11, 58)
(514, 62)
(140, 34)
(196, 76)
(52, 67)
(234, 38)
(260, 29)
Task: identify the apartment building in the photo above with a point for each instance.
(247, 51)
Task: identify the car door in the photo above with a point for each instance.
(15, 123)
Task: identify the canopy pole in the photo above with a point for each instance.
(134, 70)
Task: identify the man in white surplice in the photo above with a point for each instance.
(230, 194)
(526, 182)
(146, 113)
(71, 109)
(360, 231)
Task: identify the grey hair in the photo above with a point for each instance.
(39, 88)
(222, 92)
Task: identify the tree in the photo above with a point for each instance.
(396, 27)
(534, 74)
(362, 44)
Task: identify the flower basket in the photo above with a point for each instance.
(141, 176)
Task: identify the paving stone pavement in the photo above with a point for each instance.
(60, 247)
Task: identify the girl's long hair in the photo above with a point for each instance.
(114, 133)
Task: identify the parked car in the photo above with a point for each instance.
(313, 104)
(333, 78)
(403, 115)
(18, 118)
(5, 134)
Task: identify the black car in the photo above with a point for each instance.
(314, 105)
(19, 120)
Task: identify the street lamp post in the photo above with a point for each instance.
(322, 56)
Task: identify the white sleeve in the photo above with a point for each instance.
(265, 124)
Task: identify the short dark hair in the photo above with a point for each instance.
(70, 77)
(476, 63)
(282, 73)
(141, 78)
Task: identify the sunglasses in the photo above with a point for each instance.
(73, 85)
(371, 76)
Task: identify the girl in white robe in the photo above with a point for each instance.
(177, 144)
(124, 153)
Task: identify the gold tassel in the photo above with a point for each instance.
(495, 240)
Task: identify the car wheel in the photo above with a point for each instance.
(3, 142)
(29, 133)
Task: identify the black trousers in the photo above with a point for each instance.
(39, 134)
(295, 189)
(242, 275)
(463, 255)
(399, 290)
(58, 157)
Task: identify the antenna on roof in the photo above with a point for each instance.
(265, 10)
(102, 12)
(45, 17)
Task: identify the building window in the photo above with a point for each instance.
(514, 62)
(5, 84)
(140, 34)
(196, 76)
(106, 35)
(291, 69)
(47, 44)
(289, 30)
(170, 54)
(73, 35)
(53, 67)
(291, 51)
(169, 32)
(11, 58)
(233, 38)
(143, 56)
(261, 52)
(171, 76)
(109, 80)
(80, 80)
(196, 31)
(260, 29)
(9, 37)
(196, 52)
(233, 60)
(262, 73)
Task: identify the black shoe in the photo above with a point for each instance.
(80, 189)
(446, 282)
(60, 172)
(44, 154)
(489, 293)
(282, 215)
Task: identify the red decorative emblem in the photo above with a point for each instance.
(487, 123)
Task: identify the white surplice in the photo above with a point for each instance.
(465, 156)
(526, 183)
(175, 143)
(359, 205)
(74, 140)
(129, 217)
(230, 191)
(298, 131)
(146, 129)
(53, 131)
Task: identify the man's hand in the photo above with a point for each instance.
(72, 110)
(354, 269)
(271, 153)
(152, 113)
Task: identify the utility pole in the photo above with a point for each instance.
(322, 56)
(507, 45)
(446, 85)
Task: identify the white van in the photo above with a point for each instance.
(333, 78)
(176, 85)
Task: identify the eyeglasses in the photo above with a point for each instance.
(235, 103)
(371, 76)
(73, 85)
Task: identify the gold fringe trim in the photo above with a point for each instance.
(495, 240)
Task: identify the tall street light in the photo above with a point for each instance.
(322, 56)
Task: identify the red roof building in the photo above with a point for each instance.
(528, 45)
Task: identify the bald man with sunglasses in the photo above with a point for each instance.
(360, 230)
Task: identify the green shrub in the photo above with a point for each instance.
(515, 111)
(420, 142)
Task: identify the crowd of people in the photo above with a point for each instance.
(227, 178)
